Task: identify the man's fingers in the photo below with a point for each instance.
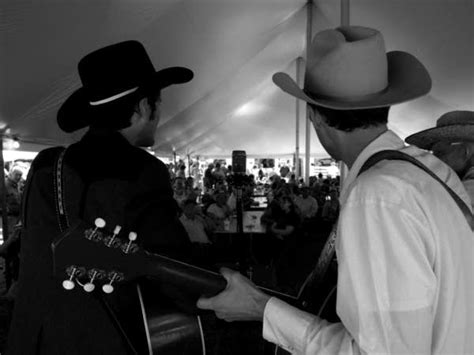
(204, 303)
(227, 273)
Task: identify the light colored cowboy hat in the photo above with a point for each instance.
(110, 76)
(348, 68)
(454, 126)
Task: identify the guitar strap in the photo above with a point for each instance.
(397, 155)
(63, 222)
(315, 278)
(324, 261)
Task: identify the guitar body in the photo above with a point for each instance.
(169, 331)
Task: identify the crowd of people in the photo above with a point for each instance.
(402, 248)
(292, 212)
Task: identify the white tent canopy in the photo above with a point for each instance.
(234, 47)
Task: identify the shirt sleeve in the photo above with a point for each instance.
(300, 332)
(385, 290)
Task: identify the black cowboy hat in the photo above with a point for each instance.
(113, 74)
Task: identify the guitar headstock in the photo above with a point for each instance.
(88, 255)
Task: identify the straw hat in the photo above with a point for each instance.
(110, 76)
(454, 126)
(348, 68)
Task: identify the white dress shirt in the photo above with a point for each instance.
(406, 266)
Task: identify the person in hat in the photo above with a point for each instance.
(106, 174)
(452, 141)
(404, 247)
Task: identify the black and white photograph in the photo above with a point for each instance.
(236, 177)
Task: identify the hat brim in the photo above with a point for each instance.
(455, 133)
(76, 112)
(408, 79)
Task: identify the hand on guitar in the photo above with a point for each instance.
(241, 300)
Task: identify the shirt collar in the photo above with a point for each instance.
(387, 140)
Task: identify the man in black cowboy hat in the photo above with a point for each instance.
(403, 243)
(107, 175)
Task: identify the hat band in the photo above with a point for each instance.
(346, 98)
(112, 98)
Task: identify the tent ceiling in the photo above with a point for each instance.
(234, 47)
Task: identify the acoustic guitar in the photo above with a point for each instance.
(91, 258)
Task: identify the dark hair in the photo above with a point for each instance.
(349, 120)
(189, 201)
(116, 115)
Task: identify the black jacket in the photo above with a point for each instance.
(105, 177)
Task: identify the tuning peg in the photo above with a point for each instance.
(94, 233)
(69, 284)
(93, 274)
(110, 241)
(113, 276)
(71, 271)
(99, 223)
(132, 236)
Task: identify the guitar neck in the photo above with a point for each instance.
(194, 280)
(190, 278)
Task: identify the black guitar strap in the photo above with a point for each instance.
(63, 221)
(325, 258)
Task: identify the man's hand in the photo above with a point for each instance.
(240, 301)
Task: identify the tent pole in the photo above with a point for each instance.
(345, 12)
(3, 197)
(345, 21)
(3, 193)
(299, 67)
(189, 164)
(309, 37)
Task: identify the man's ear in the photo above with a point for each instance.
(314, 116)
(143, 107)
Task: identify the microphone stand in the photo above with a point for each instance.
(247, 258)
(240, 224)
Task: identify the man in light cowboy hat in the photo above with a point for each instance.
(107, 175)
(452, 141)
(404, 248)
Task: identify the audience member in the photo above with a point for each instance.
(219, 173)
(13, 193)
(209, 179)
(307, 204)
(179, 189)
(330, 211)
(196, 224)
(181, 173)
(219, 210)
(284, 170)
